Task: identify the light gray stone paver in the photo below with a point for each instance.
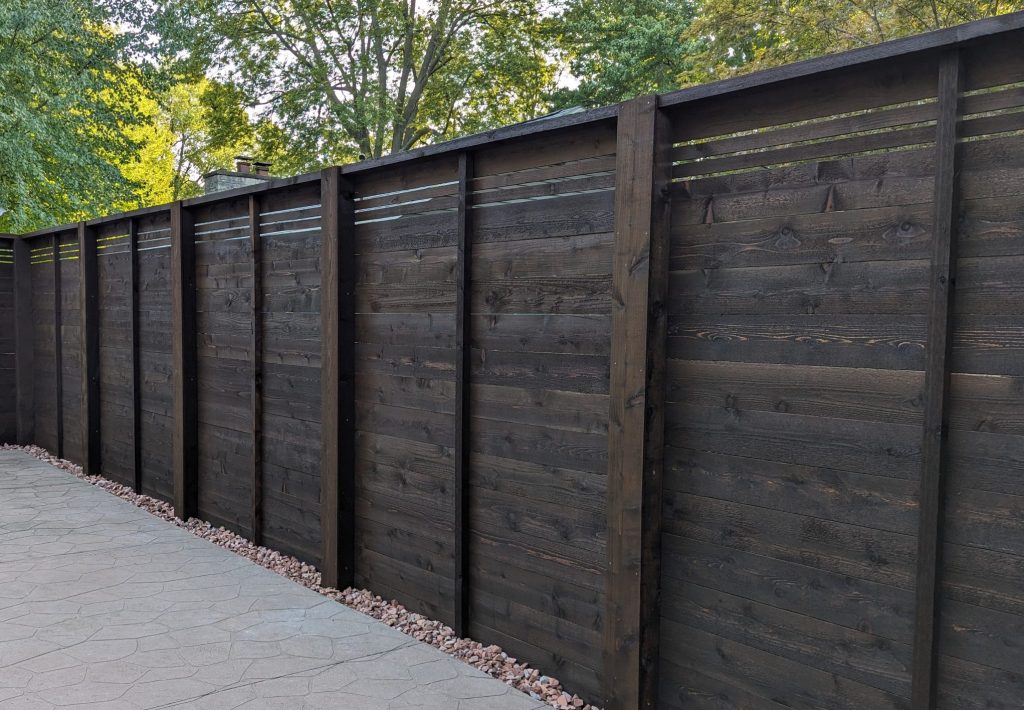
(105, 606)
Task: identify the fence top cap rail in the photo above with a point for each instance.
(929, 41)
(937, 39)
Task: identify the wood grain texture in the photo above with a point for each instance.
(635, 404)
(936, 385)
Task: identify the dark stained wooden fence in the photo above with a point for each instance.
(8, 356)
(713, 399)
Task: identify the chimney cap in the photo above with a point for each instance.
(243, 163)
(261, 168)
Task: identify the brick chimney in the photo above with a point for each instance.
(246, 173)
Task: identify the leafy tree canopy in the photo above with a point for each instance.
(746, 35)
(109, 105)
(189, 129)
(618, 49)
(64, 99)
(350, 77)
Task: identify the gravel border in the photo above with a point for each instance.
(490, 659)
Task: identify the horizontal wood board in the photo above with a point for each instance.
(796, 339)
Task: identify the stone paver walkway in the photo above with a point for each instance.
(105, 606)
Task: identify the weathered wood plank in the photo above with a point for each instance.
(888, 504)
(858, 446)
(848, 653)
(875, 608)
(828, 392)
(790, 683)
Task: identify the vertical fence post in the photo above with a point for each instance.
(636, 403)
(133, 268)
(23, 350)
(90, 336)
(463, 286)
(256, 347)
(183, 335)
(337, 380)
(936, 387)
(58, 356)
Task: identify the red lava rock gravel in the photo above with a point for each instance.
(490, 659)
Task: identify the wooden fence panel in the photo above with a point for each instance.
(24, 404)
(113, 262)
(798, 288)
(44, 371)
(8, 379)
(405, 243)
(982, 573)
(223, 265)
(540, 325)
(71, 347)
(156, 396)
(290, 239)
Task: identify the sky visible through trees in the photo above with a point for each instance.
(109, 105)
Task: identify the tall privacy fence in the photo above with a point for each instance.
(674, 399)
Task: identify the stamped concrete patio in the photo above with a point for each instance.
(105, 606)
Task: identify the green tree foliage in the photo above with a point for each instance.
(618, 49)
(150, 169)
(64, 99)
(745, 35)
(188, 130)
(208, 125)
(113, 104)
(344, 77)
